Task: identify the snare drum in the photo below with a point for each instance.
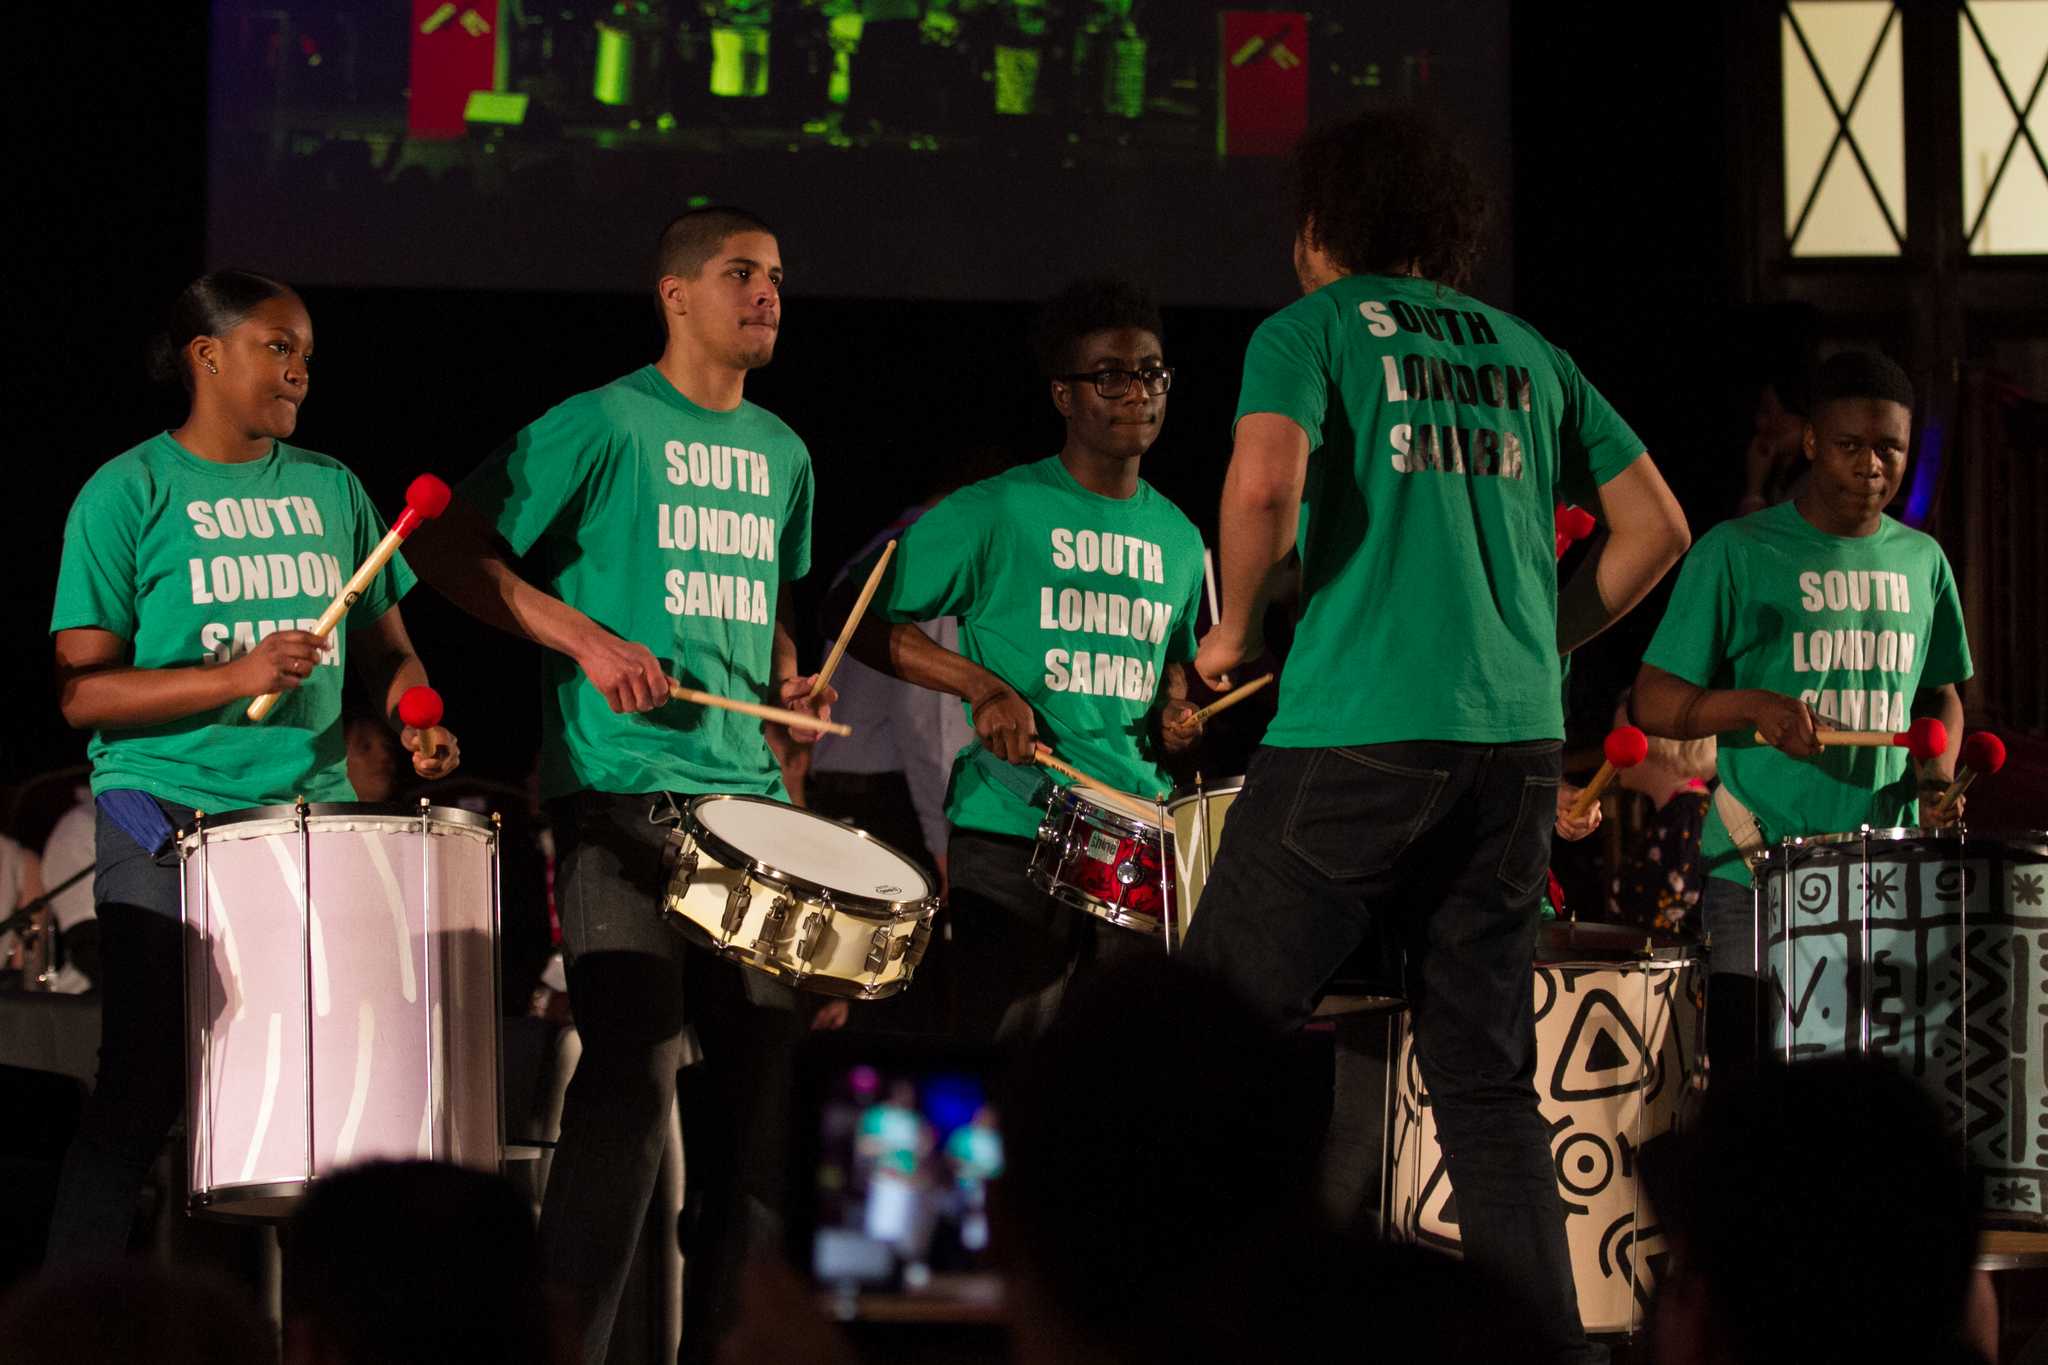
(1097, 858)
(1930, 949)
(805, 899)
(1617, 1055)
(341, 999)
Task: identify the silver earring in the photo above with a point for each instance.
(210, 369)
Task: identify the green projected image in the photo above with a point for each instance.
(913, 148)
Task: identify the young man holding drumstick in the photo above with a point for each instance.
(1076, 586)
(659, 517)
(1817, 612)
(1414, 441)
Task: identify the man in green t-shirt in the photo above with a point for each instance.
(658, 518)
(1075, 584)
(1413, 441)
(1817, 612)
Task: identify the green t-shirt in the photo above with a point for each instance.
(193, 561)
(1442, 432)
(668, 524)
(1852, 625)
(1076, 600)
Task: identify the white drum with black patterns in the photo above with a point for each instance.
(818, 904)
(1617, 1046)
(341, 996)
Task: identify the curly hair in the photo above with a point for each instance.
(1388, 187)
(1090, 306)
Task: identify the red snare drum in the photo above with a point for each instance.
(1097, 858)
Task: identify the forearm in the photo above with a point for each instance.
(1945, 704)
(782, 661)
(908, 653)
(386, 662)
(1646, 536)
(457, 557)
(1665, 704)
(123, 697)
(1619, 573)
(1256, 526)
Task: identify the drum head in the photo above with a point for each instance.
(796, 843)
(1099, 804)
(1565, 940)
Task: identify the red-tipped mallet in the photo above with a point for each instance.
(1573, 525)
(420, 708)
(1927, 738)
(425, 498)
(1983, 753)
(1626, 746)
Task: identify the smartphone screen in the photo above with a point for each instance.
(903, 1142)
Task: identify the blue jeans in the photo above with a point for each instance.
(634, 983)
(1448, 844)
(139, 1090)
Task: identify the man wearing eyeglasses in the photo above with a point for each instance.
(1075, 584)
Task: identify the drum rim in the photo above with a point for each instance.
(1652, 951)
(1959, 838)
(1065, 794)
(737, 859)
(436, 815)
(1229, 786)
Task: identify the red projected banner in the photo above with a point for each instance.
(454, 53)
(1264, 109)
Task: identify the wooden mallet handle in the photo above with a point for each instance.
(797, 719)
(1121, 799)
(1983, 753)
(1625, 747)
(860, 604)
(1229, 699)
(1927, 738)
(427, 497)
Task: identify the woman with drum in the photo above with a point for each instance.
(195, 565)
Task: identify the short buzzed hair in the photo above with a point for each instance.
(1087, 306)
(1862, 374)
(689, 241)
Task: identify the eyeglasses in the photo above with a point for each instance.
(1116, 383)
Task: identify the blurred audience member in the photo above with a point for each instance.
(1157, 1206)
(125, 1313)
(1774, 463)
(1658, 876)
(1818, 1212)
(69, 852)
(377, 763)
(416, 1263)
(26, 953)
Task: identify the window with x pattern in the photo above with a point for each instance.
(1844, 127)
(2005, 125)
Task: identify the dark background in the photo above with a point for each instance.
(1620, 252)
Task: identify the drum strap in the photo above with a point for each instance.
(1743, 829)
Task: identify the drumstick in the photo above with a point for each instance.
(798, 719)
(1983, 754)
(1209, 585)
(1927, 738)
(1625, 747)
(1121, 799)
(1228, 699)
(425, 498)
(860, 604)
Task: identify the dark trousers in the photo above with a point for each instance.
(139, 1089)
(633, 984)
(1735, 994)
(1016, 951)
(1448, 842)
